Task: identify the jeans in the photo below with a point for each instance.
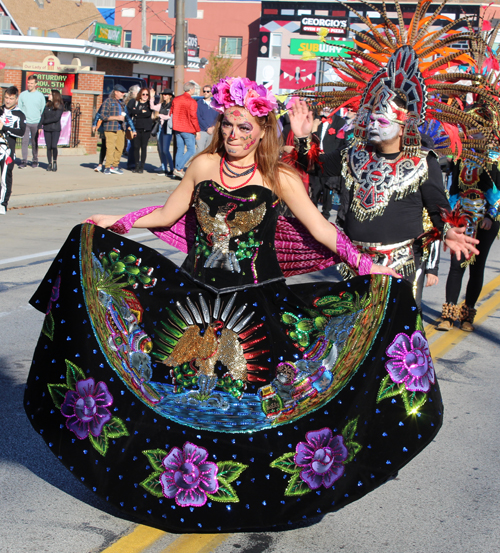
(184, 139)
(164, 141)
(31, 129)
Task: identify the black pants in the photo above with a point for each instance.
(141, 146)
(102, 153)
(6, 175)
(51, 140)
(320, 193)
(476, 269)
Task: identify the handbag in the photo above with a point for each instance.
(129, 135)
(156, 128)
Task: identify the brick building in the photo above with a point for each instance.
(225, 27)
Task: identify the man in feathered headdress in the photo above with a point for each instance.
(390, 176)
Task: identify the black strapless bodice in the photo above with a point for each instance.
(235, 236)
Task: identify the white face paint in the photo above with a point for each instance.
(381, 129)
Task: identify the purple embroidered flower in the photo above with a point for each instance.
(86, 408)
(411, 362)
(188, 476)
(322, 456)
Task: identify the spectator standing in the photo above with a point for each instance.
(32, 104)
(113, 114)
(185, 126)
(330, 139)
(165, 133)
(142, 115)
(50, 123)
(12, 126)
(206, 119)
(132, 93)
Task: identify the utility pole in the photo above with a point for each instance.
(179, 47)
(144, 36)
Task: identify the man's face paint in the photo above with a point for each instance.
(381, 129)
(240, 131)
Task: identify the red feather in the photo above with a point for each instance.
(454, 218)
(430, 236)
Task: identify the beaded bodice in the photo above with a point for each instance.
(235, 236)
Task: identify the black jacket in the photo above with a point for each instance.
(51, 119)
(141, 115)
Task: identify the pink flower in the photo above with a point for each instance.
(259, 107)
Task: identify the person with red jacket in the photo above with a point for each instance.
(185, 126)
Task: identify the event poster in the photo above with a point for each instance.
(65, 131)
(64, 82)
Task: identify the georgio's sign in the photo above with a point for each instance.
(311, 25)
(64, 82)
(192, 46)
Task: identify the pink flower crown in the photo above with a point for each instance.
(240, 91)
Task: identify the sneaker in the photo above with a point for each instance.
(159, 170)
(23, 165)
(177, 173)
(107, 171)
(98, 168)
(116, 171)
(3, 210)
(169, 175)
(34, 164)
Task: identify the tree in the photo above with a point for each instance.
(218, 67)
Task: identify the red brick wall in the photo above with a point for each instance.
(12, 76)
(13, 57)
(112, 66)
(90, 82)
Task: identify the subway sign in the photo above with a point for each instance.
(299, 46)
(109, 34)
(311, 25)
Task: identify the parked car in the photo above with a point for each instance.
(111, 80)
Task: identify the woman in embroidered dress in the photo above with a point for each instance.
(214, 397)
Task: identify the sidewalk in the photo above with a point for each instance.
(75, 180)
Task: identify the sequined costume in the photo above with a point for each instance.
(213, 397)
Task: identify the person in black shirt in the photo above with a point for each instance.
(50, 123)
(387, 189)
(12, 126)
(141, 113)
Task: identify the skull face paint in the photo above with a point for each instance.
(240, 131)
(381, 129)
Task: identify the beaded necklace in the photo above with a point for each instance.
(224, 165)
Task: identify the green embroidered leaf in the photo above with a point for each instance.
(100, 443)
(320, 323)
(116, 428)
(350, 430)
(155, 457)
(48, 326)
(57, 393)
(289, 318)
(296, 486)
(419, 325)
(413, 401)
(225, 493)
(389, 389)
(305, 325)
(73, 374)
(152, 484)
(286, 463)
(353, 448)
(230, 470)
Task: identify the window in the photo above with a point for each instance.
(230, 46)
(275, 45)
(161, 43)
(127, 39)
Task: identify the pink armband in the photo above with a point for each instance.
(348, 252)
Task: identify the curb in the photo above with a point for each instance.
(68, 196)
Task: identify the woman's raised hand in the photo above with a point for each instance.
(301, 118)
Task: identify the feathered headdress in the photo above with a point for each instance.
(414, 65)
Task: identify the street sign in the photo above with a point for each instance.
(109, 34)
(190, 9)
(299, 46)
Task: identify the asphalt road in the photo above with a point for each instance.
(446, 500)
